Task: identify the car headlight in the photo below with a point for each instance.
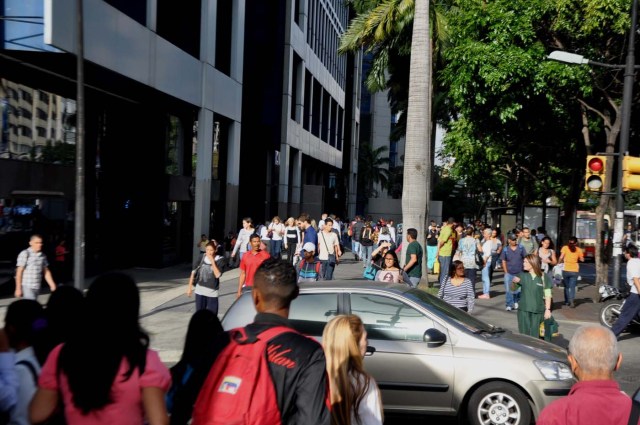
(553, 371)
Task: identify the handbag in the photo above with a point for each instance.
(479, 259)
(370, 272)
(549, 328)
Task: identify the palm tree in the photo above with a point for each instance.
(381, 27)
(416, 188)
(373, 169)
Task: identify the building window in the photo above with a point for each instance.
(179, 23)
(135, 9)
(224, 36)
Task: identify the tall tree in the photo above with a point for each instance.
(416, 189)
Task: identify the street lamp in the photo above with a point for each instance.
(627, 95)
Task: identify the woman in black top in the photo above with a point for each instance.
(291, 239)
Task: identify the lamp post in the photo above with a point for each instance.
(627, 95)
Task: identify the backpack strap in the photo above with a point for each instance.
(318, 267)
(31, 367)
(241, 336)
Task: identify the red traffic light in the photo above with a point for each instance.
(595, 165)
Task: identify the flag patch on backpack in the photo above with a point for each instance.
(230, 385)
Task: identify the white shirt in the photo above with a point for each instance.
(370, 409)
(633, 270)
(27, 386)
(277, 231)
(392, 232)
(242, 240)
(328, 243)
(486, 251)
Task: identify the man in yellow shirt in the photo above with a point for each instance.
(445, 248)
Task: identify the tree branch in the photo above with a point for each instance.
(607, 121)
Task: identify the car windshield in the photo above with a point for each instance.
(447, 311)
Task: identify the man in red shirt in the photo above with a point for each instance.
(250, 263)
(596, 398)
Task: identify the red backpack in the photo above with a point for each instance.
(239, 388)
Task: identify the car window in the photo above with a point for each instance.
(309, 313)
(445, 310)
(390, 319)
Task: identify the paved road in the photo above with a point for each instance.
(166, 310)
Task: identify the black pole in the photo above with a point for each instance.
(627, 96)
(78, 236)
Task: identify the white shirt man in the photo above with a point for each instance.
(631, 306)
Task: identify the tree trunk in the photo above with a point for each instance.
(417, 159)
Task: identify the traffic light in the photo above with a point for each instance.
(596, 169)
(630, 173)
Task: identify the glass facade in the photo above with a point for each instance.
(36, 125)
(22, 25)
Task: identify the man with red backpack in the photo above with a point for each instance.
(268, 373)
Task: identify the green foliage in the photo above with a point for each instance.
(59, 153)
(372, 169)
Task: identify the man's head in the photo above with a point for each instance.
(526, 233)
(487, 233)
(274, 287)
(324, 216)
(630, 252)
(254, 241)
(304, 221)
(412, 234)
(450, 221)
(309, 250)
(24, 321)
(35, 243)
(513, 239)
(433, 223)
(328, 225)
(593, 353)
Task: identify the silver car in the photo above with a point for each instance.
(431, 358)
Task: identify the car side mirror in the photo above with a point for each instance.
(434, 338)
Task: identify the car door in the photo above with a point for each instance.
(410, 374)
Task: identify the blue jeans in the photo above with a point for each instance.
(570, 281)
(355, 248)
(276, 248)
(365, 254)
(486, 280)
(445, 263)
(629, 310)
(326, 270)
(414, 281)
(207, 303)
(509, 295)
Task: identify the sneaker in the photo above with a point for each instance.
(484, 296)
(508, 308)
(515, 306)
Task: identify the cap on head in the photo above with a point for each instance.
(513, 237)
(309, 247)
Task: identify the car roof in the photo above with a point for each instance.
(346, 285)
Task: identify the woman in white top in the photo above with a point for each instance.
(355, 397)
(276, 232)
(547, 256)
(292, 240)
(242, 241)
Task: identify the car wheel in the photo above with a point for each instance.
(609, 313)
(499, 403)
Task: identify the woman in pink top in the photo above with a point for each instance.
(106, 374)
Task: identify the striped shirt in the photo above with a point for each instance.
(458, 296)
(34, 264)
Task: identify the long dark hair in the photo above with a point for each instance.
(396, 263)
(110, 332)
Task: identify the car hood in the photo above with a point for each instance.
(533, 347)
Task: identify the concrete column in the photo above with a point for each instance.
(296, 182)
(203, 177)
(300, 83)
(233, 178)
(237, 40)
(152, 14)
(209, 13)
(283, 184)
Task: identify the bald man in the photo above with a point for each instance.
(596, 398)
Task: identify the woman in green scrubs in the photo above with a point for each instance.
(535, 300)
